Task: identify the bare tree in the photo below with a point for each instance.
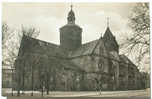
(11, 40)
(8, 57)
(139, 43)
(31, 31)
(7, 33)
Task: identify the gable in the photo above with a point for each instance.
(100, 48)
(85, 49)
(110, 41)
(96, 47)
(32, 45)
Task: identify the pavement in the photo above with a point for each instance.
(131, 94)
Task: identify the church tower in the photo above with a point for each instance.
(70, 34)
(110, 40)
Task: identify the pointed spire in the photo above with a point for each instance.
(109, 39)
(107, 21)
(108, 33)
(71, 6)
(71, 16)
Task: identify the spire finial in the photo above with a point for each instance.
(71, 6)
(107, 21)
(71, 16)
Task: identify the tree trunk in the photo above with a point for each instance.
(48, 90)
(23, 80)
(12, 82)
(48, 87)
(42, 89)
(32, 82)
(18, 86)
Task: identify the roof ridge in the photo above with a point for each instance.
(108, 31)
(24, 36)
(95, 46)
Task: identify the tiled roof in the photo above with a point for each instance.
(32, 45)
(126, 60)
(54, 52)
(110, 40)
(85, 49)
(108, 34)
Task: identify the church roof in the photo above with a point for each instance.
(71, 20)
(70, 25)
(125, 59)
(110, 40)
(54, 52)
(108, 34)
(85, 49)
(32, 45)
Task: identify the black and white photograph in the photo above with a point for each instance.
(76, 49)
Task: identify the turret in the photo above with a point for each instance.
(110, 40)
(70, 34)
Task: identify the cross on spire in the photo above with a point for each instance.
(107, 21)
(71, 6)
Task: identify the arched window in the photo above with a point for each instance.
(100, 66)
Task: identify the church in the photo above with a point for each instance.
(73, 66)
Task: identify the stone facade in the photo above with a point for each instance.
(70, 34)
(73, 66)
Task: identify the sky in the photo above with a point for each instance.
(49, 17)
(91, 17)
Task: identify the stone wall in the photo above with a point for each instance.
(91, 67)
(123, 76)
(70, 36)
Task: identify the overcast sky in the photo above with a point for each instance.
(49, 17)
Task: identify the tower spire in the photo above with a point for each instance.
(71, 6)
(107, 21)
(71, 16)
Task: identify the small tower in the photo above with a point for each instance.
(70, 34)
(109, 39)
(71, 17)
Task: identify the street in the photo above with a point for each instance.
(132, 94)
